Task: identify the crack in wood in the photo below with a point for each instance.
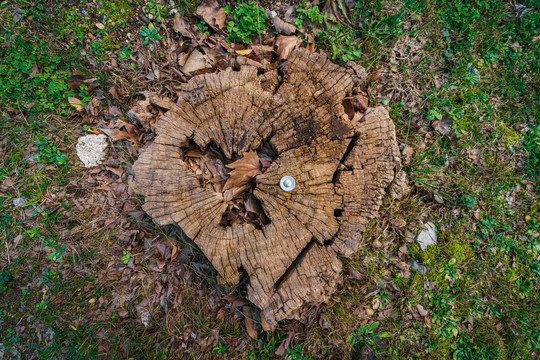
(342, 167)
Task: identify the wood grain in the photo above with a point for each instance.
(342, 169)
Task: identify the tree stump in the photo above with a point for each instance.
(219, 155)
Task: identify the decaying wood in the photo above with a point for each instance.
(341, 165)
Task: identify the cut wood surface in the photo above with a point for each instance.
(218, 157)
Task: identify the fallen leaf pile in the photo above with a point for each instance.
(234, 179)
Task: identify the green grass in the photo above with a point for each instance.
(473, 64)
(248, 21)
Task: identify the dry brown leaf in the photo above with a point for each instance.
(359, 101)
(250, 324)
(129, 132)
(476, 156)
(285, 45)
(266, 326)
(213, 14)
(282, 349)
(444, 126)
(195, 61)
(421, 310)
(140, 112)
(76, 103)
(408, 152)
(244, 170)
(180, 25)
(118, 94)
(311, 43)
(252, 204)
(244, 52)
(235, 301)
(231, 193)
(283, 27)
(75, 81)
(114, 110)
(117, 171)
(348, 107)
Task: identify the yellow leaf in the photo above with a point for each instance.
(100, 26)
(92, 300)
(76, 103)
(244, 52)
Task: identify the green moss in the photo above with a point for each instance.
(116, 13)
(108, 43)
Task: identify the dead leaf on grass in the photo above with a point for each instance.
(285, 45)
(235, 301)
(310, 43)
(421, 310)
(17, 15)
(250, 324)
(125, 131)
(213, 14)
(76, 103)
(283, 27)
(180, 25)
(444, 126)
(476, 156)
(140, 112)
(118, 94)
(244, 170)
(282, 349)
(75, 82)
(408, 151)
(244, 52)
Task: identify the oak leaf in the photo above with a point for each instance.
(213, 14)
(283, 27)
(285, 45)
(244, 170)
(180, 25)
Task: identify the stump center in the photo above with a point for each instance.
(234, 178)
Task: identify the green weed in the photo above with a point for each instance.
(203, 27)
(366, 335)
(5, 281)
(219, 349)
(158, 10)
(248, 21)
(49, 154)
(532, 148)
(149, 33)
(33, 79)
(187, 7)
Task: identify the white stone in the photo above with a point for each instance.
(19, 201)
(427, 237)
(92, 149)
(145, 318)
